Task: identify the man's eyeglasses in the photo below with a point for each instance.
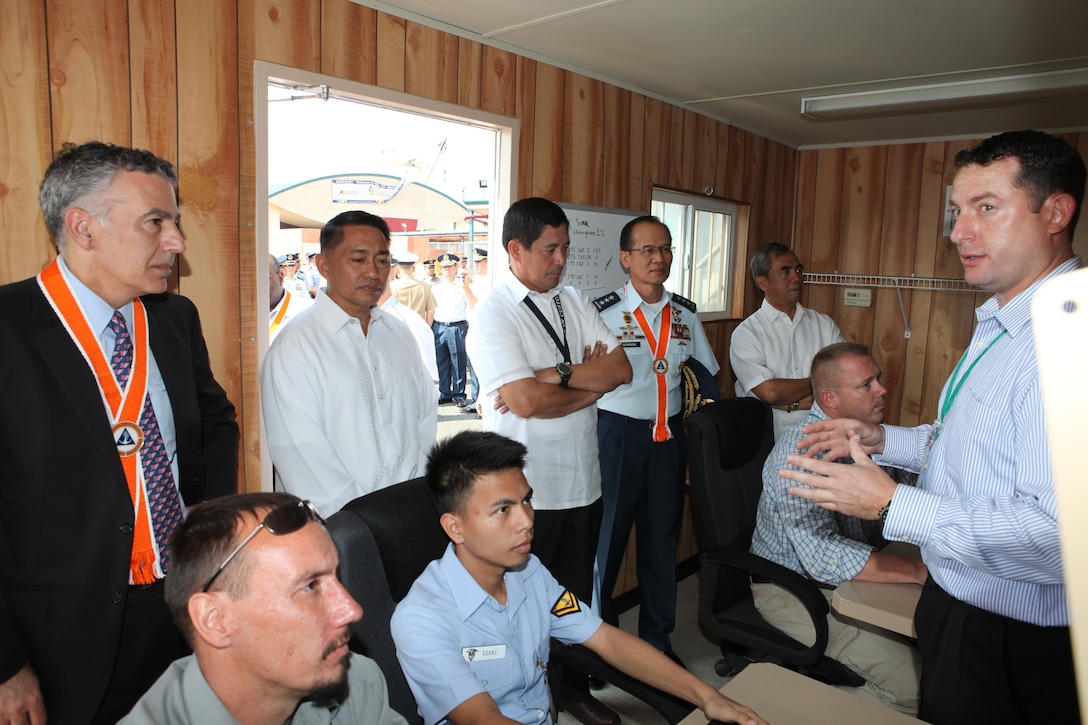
(284, 519)
(650, 250)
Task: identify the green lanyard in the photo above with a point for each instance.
(957, 383)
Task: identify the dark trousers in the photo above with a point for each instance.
(642, 484)
(565, 541)
(149, 643)
(449, 350)
(979, 667)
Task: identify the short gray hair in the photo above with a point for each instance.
(79, 174)
(764, 256)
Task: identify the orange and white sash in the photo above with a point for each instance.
(285, 302)
(123, 407)
(659, 346)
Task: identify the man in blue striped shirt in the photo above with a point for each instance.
(992, 621)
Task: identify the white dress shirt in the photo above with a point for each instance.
(506, 343)
(345, 413)
(768, 345)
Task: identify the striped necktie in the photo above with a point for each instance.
(162, 494)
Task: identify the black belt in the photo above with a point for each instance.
(451, 324)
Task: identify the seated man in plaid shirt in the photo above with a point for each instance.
(831, 548)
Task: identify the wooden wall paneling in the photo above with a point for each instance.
(153, 59)
(705, 152)
(349, 41)
(27, 146)
(430, 63)
(771, 182)
(804, 217)
(723, 162)
(547, 151)
(639, 189)
(583, 141)
(469, 72)
(827, 208)
(860, 226)
(733, 183)
(209, 162)
(287, 32)
(930, 213)
(898, 235)
(88, 74)
(617, 149)
(391, 52)
(654, 135)
(684, 148)
(670, 149)
(525, 110)
(248, 402)
(498, 81)
(755, 181)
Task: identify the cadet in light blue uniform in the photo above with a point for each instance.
(640, 430)
(455, 641)
(473, 632)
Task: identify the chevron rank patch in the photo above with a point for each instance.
(566, 604)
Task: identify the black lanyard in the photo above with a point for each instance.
(564, 348)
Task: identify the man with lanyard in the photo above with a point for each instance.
(640, 429)
(282, 304)
(449, 327)
(112, 425)
(544, 357)
(993, 621)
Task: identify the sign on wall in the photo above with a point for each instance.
(594, 262)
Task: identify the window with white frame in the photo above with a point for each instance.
(705, 235)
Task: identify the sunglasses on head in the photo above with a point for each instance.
(284, 519)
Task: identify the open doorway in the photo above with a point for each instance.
(438, 173)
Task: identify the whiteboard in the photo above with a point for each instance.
(593, 265)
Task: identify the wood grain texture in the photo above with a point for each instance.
(498, 81)
(469, 71)
(25, 139)
(583, 141)
(349, 41)
(88, 77)
(391, 52)
(547, 155)
(617, 142)
(208, 164)
(288, 32)
(430, 63)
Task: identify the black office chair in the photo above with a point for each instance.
(728, 442)
(385, 540)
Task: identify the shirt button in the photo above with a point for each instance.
(116, 597)
(125, 528)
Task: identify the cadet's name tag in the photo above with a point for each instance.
(484, 653)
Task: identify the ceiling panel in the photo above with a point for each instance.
(749, 62)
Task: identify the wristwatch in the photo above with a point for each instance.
(883, 513)
(565, 372)
(795, 405)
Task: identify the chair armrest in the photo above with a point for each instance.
(799, 585)
(583, 659)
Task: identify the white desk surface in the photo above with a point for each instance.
(784, 697)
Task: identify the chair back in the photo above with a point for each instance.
(385, 540)
(728, 442)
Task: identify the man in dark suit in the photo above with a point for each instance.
(112, 423)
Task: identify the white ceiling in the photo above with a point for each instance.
(750, 62)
